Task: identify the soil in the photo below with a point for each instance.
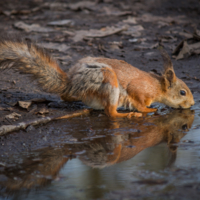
(163, 22)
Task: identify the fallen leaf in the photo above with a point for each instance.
(114, 12)
(94, 33)
(82, 5)
(168, 39)
(55, 6)
(65, 22)
(107, 31)
(130, 20)
(115, 45)
(24, 104)
(196, 34)
(68, 33)
(121, 13)
(32, 27)
(187, 50)
(55, 46)
(133, 40)
(43, 111)
(134, 30)
(21, 12)
(124, 6)
(79, 35)
(8, 109)
(145, 46)
(186, 35)
(162, 24)
(194, 46)
(147, 17)
(188, 46)
(13, 115)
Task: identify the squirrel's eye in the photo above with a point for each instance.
(184, 127)
(182, 92)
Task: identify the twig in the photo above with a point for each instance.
(23, 125)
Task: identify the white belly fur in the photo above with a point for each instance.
(94, 103)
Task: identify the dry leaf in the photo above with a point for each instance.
(184, 49)
(32, 27)
(114, 12)
(24, 104)
(21, 12)
(186, 35)
(65, 22)
(55, 46)
(121, 13)
(134, 30)
(115, 45)
(152, 18)
(43, 111)
(82, 5)
(130, 20)
(92, 33)
(145, 45)
(55, 6)
(196, 34)
(13, 115)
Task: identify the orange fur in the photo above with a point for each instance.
(110, 77)
(100, 83)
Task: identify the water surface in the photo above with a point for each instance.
(101, 155)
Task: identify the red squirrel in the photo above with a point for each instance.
(100, 83)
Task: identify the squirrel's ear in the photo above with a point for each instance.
(170, 76)
(169, 73)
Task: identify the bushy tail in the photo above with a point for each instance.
(31, 59)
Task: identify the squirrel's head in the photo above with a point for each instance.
(176, 94)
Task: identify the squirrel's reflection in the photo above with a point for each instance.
(100, 152)
(110, 150)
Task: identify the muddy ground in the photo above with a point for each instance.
(126, 30)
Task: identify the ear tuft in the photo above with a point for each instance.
(168, 67)
(166, 59)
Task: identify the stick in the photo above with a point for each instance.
(23, 125)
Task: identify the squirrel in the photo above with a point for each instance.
(100, 83)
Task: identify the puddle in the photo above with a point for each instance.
(100, 156)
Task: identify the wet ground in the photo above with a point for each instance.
(93, 157)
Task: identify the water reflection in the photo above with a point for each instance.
(116, 142)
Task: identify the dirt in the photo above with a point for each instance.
(87, 33)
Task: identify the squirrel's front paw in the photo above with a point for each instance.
(134, 114)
